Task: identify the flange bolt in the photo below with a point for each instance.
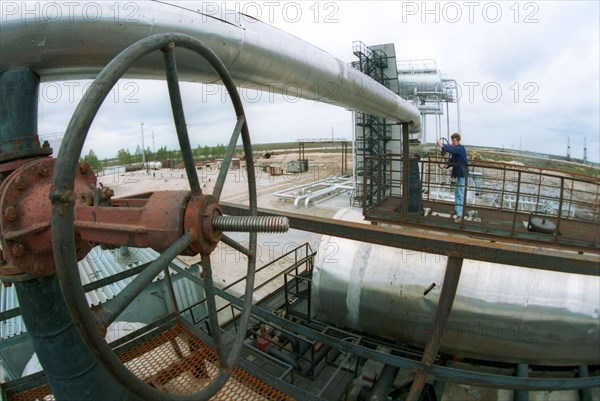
(10, 213)
(18, 250)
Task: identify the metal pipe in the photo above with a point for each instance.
(501, 312)
(346, 185)
(255, 53)
(72, 370)
(18, 133)
(282, 356)
(447, 123)
(333, 184)
(384, 383)
(585, 394)
(560, 207)
(405, 172)
(522, 371)
(516, 211)
(325, 181)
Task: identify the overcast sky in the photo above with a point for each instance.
(528, 72)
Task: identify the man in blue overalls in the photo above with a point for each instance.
(458, 162)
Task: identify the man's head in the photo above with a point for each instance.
(455, 139)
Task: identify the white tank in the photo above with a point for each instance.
(425, 84)
(501, 313)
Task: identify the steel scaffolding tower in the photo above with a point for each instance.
(372, 132)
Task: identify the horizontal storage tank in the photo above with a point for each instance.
(501, 313)
(426, 84)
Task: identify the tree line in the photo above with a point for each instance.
(124, 156)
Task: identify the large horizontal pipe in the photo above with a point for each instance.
(500, 313)
(75, 40)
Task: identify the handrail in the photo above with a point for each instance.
(515, 193)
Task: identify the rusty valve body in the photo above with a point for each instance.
(154, 220)
(25, 218)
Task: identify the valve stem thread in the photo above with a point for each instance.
(258, 224)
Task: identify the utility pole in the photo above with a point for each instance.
(143, 147)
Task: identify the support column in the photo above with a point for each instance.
(522, 371)
(585, 394)
(440, 320)
(405, 170)
(18, 116)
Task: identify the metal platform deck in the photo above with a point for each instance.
(577, 235)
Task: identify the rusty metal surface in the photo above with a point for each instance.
(198, 217)
(157, 224)
(28, 146)
(25, 217)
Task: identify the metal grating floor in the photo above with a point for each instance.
(177, 362)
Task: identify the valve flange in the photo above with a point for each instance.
(25, 213)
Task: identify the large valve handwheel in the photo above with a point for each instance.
(63, 204)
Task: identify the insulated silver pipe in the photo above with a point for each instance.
(78, 39)
(501, 312)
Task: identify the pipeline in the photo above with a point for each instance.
(384, 383)
(326, 191)
(57, 341)
(332, 184)
(255, 54)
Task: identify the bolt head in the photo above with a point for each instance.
(20, 182)
(42, 169)
(84, 168)
(107, 193)
(38, 267)
(88, 199)
(18, 250)
(10, 213)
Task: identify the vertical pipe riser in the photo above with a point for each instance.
(19, 91)
(72, 371)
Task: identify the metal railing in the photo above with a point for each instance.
(510, 194)
(302, 257)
